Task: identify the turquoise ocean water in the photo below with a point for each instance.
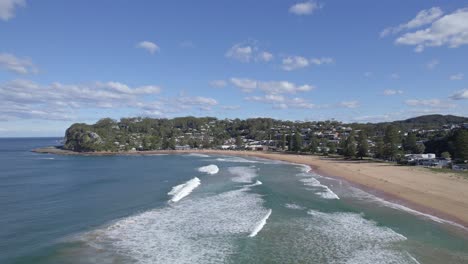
(165, 209)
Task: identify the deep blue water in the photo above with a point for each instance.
(116, 209)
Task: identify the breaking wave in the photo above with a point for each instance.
(327, 193)
(260, 224)
(210, 169)
(236, 160)
(200, 230)
(180, 191)
(243, 174)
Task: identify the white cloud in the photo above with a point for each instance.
(460, 95)
(392, 92)
(457, 77)
(450, 30)
(282, 102)
(350, 104)
(429, 103)
(240, 52)
(7, 8)
(17, 65)
(218, 83)
(197, 100)
(294, 62)
(151, 47)
(432, 64)
(305, 8)
(246, 85)
(280, 87)
(320, 61)
(291, 63)
(265, 56)
(270, 87)
(247, 52)
(26, 99)
(424, 17)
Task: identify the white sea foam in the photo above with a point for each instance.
(294, 206)
(255, 184)
(259, 226)
(210, 169)
(236, 160)
(199, 155)
(243, 174)
(199, 230)
(326, 192)
(369, 197)
(358, 240)
(180, 191)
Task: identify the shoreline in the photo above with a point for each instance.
(442, 196)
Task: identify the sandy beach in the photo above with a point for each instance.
(444, 195)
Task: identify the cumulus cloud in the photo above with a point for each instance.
(291, 63)
(7, 8)
(17, 65)
(27, 99)
(197, 101)
(305, 8)
(218, 83)
(149, 46)
(389, 92)
(448, 30)
(429, 103)
(350, 104)
(265, 56)
(457, 77)
(247, 52)
(424, 17)
(294, 63)
(460, 95)
(270, 87)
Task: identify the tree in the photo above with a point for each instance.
(410, 145)
(363, 146)
(379, 148)
(350, 146)
(239, 142)
(391, 141)
(461, 145)
(331, 147)
(297, 146)
(445, 155)
(283, 141)
(313, 144)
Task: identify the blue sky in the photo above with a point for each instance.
(355, 61)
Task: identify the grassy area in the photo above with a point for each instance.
(458, 173)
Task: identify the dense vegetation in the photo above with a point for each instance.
(435, 133)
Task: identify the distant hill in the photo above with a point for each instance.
(436, 119)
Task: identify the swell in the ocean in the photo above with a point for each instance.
(180, 191)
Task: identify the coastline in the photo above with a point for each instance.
(443, 195)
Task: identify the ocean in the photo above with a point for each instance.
(195, 208)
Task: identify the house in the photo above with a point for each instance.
(183, 147)
(460, 167)
(257, 147)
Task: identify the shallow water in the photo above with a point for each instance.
(122, 209)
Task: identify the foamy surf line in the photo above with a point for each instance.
(180, 191)
(326, 194)
(210, 169)
(260, 224)
(400, 207)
